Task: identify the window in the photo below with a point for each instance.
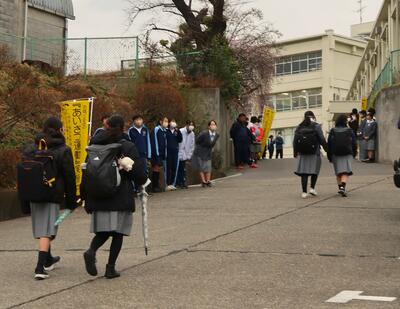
(298, 100)
(299, 64)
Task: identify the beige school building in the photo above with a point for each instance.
(314, 73)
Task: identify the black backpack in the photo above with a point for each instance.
(342, 142)
(306, 140)
(102, 178)
(37, 174)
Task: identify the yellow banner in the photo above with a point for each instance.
(75, 116)
(364, 104)
(268, 118)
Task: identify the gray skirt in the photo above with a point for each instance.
(370, 144)
(112, 221)
(343, 165)
(200, 165)
(44, 215)
(254, 148)
(308, 164)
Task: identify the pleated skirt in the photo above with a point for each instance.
(112, 221)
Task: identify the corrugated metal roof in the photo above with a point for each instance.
(59, 7)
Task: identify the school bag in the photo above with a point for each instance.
(37, 174)
(306, 140)
(342, 142)
(102, 177)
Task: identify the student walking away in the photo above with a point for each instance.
(186, 149)
(354, 121)
(257, 134)
(370, 134)
(342, 148)
(139, 135)
(241, 137)
(202, 155)
(271, 146)
(46, 179)
(279, 142)
(104, 120)
(360, 136)
(158, 139)
(174, 138)
(108, 192)
(307, 144)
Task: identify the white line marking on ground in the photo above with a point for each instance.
(347, 296)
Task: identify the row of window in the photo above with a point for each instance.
(296, 100)
(299, 64)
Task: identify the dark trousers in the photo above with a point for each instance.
(271, 152)
(181, 178)
(279, 153)
(172, 167)
(242, 153)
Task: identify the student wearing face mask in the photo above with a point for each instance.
(174, 138)
(241, 137)
(158, 139)
(370, 134)
(139, 135)
(360, 136)
(202, 155)
(186, 149)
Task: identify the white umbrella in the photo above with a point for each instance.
(143, 196)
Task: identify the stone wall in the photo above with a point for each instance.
(388, 113)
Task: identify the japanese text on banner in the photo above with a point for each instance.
(268, 118)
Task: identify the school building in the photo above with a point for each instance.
(314, 73)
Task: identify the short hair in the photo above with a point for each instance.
(189, 122)
(254, 119)
(136, 117)
(341, 121)
(162, 118)
(116, 122)
(105, 117)
(372, 111)
(363, 112)
(242, 115)
(211, 121)
(354, 111)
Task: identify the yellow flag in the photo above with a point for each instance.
(75, 116)
(268, 118)
(364, 104)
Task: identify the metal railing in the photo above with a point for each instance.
(389, 76)
(86, 56)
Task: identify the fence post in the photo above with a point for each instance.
(137, 57)
(85, 60)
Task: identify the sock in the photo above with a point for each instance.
(156, 180)
(42, 258)
(343, 185)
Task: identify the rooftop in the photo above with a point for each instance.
(62, 8)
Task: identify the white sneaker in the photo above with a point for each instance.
(171, 188)
(304, 195)
(313, 192)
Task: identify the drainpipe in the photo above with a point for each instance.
(25, 30)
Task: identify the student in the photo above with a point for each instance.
(139, 135)
(271, 146)
(306, 145)
(279, 142)
(342, 148)
(44, 214)
(202, 155)
(112, 216)
(360, 136)
(186, 149)
(257, 136)
(241, 137)
(104, 120)
(370, 134)
(174, 138)
(158, 139)
(354, 120)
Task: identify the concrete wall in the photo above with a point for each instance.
(387, 116)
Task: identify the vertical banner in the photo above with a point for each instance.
(75, 116)
(268, 118)
(364, 104)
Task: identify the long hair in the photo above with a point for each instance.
(116, 127)
(52, 129)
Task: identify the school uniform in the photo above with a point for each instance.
(362, 144)
(158, 140)
(186, 149)
(202, 155)
(370, 132)
(241, 137)
(342, 164)
(174, 138)
(141, 138)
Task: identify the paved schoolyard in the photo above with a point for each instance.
(249, 242)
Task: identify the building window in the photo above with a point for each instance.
(299, 64)
(298, 100)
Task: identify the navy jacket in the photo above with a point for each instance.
(173, 140)
(141, 139)
(240, 133)
(158, 139)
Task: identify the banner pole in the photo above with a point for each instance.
(91, 116)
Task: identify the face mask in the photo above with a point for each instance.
(173, 125)
(191, 128)
(313, 119)
(213, 128)
(348, 119)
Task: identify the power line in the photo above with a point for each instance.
(361, 9)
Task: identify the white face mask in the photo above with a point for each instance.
(172, 125)
(191, 128)
(313, 120)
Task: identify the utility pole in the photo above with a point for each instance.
(361, 9)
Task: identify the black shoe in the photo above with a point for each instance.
(204, 184)
(157, 190)
(209, 184)
(90, 262)
(51, 262)
(342, 192)
(111, 273)
(41, 274)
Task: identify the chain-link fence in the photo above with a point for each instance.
(86, 56)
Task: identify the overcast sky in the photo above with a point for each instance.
(293, 18)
